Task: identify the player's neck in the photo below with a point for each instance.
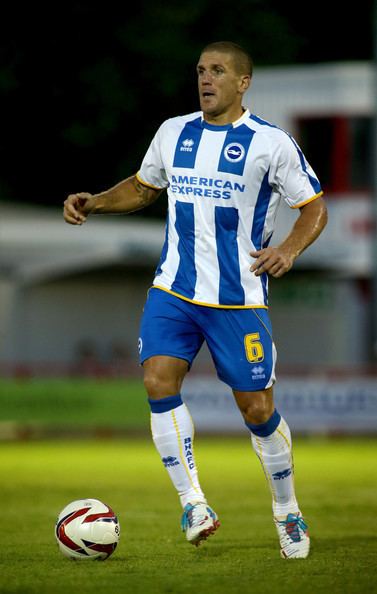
(223, 119)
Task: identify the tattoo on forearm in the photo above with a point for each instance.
(146, 195)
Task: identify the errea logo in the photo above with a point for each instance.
(234, 152)
(187, 145)
(258, 373)
(282, 474)
(169, 461)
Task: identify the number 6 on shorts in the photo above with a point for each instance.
(253, 348)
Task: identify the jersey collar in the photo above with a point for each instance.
(207, 126)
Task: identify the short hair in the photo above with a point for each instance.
(241, 58)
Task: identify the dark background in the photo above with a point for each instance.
(83, 89)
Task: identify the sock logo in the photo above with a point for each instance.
(188, 453)
(282, 474)
(170, 461)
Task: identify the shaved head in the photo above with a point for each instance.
(242, 61)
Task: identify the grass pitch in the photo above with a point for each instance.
(66, 404)
(335, 481)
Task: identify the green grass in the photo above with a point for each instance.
(74, 403)
(335, 480)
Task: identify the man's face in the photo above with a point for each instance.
(220, 86)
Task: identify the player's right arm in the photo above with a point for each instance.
(127, 196)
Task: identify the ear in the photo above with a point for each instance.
(245, 82)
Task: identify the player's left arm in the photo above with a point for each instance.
(276, 261)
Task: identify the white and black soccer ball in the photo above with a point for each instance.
(87, 529)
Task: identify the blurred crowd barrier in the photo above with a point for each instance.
(310, 404)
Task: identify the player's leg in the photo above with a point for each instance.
(169, 341)
(171, 424)
(271, 440)
(242, 348)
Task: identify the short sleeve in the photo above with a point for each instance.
(152, 171)
(291, 175)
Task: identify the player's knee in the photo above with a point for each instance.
(154, 385)
(258, 413)
(160, 386)
(258, 408)
(163, 376)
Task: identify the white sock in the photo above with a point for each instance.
(275, 454)
(173, 436)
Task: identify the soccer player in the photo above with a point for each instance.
(225, 171)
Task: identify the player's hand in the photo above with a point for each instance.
(273, 260)
(77, 207)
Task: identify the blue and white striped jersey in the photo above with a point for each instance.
(224, 184)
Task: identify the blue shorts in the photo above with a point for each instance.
(239, 340)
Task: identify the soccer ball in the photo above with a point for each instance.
(87, 529)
